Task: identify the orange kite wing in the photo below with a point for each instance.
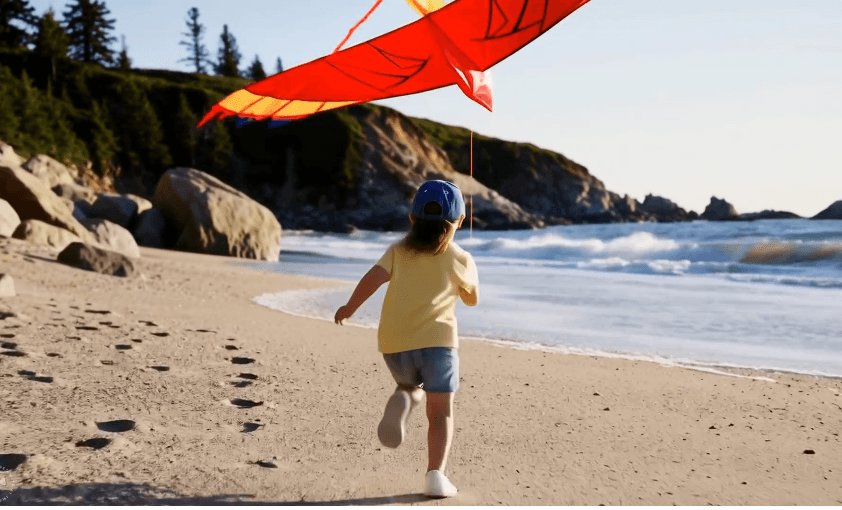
(454, 45)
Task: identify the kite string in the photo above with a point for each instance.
(471, 222)
(360, 22)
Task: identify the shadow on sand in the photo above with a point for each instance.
(142, 494)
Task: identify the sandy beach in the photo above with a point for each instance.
(232, 402)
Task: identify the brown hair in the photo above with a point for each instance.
(429, 236)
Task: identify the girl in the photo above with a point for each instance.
(426, 272)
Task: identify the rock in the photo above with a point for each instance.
(834, 212)
(33, 200)
(40, 233)
(9, 219)
(212, 217)
(92, 258)
(658, 205)
(113, 237)
(48, 170)
(719, 210)
(7, 286)
(119, 209)
(8, 156)
(150, 229)
(81, 197)
(769, 215)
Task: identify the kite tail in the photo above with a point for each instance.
(355, 27)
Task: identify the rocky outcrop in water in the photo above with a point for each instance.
(719, 210)
(834, 212)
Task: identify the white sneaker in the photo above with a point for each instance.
(438, 486)
(392, 428)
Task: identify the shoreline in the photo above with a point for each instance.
(531, 427)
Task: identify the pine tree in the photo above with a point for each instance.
(199, 56)
(103, 145)
(67, 146)
(9, 121)
(16, 17)
(124, 63)
(215, 151)
(34, 120)
(185, 134)
(228, 59)
(51, 42)
(89, 30)
(255, 71)
(141, 134)
(279, 67)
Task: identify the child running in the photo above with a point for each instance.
(426, 272)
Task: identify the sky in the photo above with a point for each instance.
(685, 99)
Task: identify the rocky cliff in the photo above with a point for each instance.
(360, 167)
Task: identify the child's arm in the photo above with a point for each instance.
(373, 279)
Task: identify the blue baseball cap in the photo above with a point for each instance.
(444, 193)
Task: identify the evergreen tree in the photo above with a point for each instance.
(279, 67)
(66, 145)
(51, 42)
(35, 135)
(103, 145)
(185, 134)
(88, 26)
(16, 17)
(143, 152)
(199, 55)
(124, 63)
(228, 59)
(255, 71)
(9, 121)
(215, 151)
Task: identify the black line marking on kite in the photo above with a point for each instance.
(519, 30)
(390, 56)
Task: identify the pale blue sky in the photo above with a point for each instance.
(741, 99)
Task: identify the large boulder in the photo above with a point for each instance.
(44, 234)
(834, 212)
(719, 210)
(119, 209)
(113, 237)
(214, 218)
(150, 229)
(81, 197)
(9, 219)
(92, 258)
(48, 170)
(32, 199)
(8, 156)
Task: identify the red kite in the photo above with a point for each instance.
(453, 45)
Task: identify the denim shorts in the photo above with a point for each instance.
(436, 369)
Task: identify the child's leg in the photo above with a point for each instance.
(440, 433)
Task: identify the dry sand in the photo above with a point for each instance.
(532, 427)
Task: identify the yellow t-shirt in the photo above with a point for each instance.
(418, 310)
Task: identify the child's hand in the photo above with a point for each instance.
(343, 313)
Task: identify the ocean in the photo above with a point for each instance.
(758, 295)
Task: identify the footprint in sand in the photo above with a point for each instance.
(116, 425)
(161, 368)
(16, 354)
(265, 464)
(54, 355)
(148, 323)
(232, 348)
(96, 443)
(161, 334)
(241, 384)
(32, 376)
(98, 312)
(137, 340)
(243, 403)
(106, 362)
(251, 377)
(251, 427)
(87, 328)
(241, 361)
(11, 461)
(122, 347)
(9, 345)
(7, 335)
